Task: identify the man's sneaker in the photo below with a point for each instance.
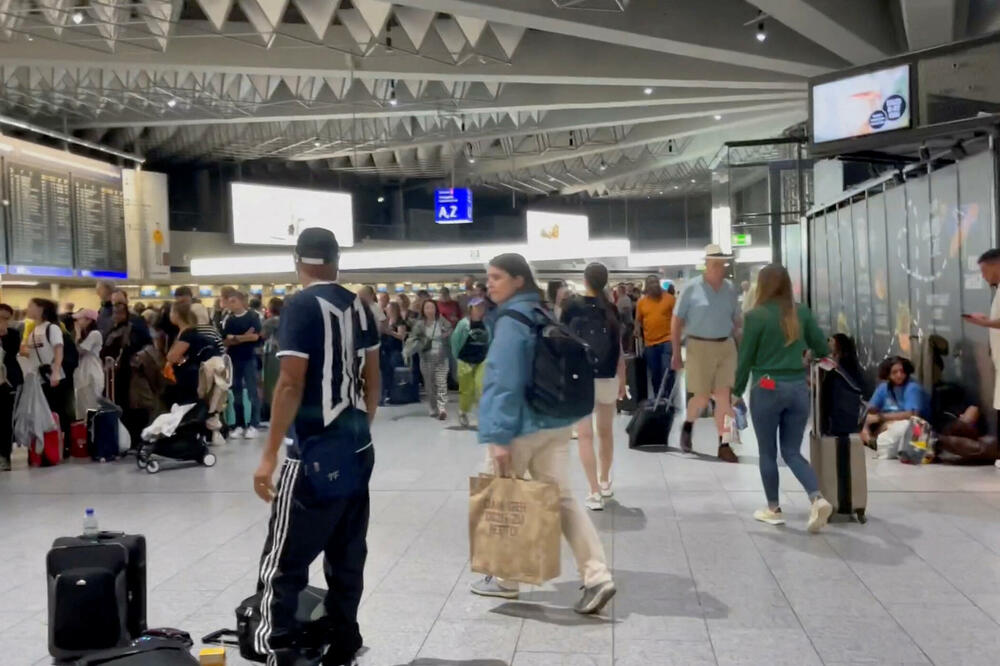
(463, 419)
(594, 598)
(686, 441)
(606, 490)
(594, 502)
(726, 454)
(236, 433)
(770, 517)
(491, 587)
(250, 433)
(819, 514)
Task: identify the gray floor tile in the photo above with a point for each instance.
(667, 653)
(780, 647)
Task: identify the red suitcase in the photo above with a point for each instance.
(78, 440)
(51, 449)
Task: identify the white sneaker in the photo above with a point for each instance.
(606, 490)
(769, 516)
(236, 433)
(594, 502)
(217, 439)
(250, 433)
(463, 419)
(819, 515)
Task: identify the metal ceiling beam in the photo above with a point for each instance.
(703, 146)
(547, 59)
(522, 100)
(678, 27)
(930, 22)
(836, 25)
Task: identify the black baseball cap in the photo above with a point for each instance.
(317, 246)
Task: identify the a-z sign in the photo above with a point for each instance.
(453, 206)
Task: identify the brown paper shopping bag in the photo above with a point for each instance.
(514, 528)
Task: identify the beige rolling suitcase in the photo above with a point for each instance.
(839, 462)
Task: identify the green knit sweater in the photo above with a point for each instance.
(763, 350)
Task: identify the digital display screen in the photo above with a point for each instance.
(453, 206)
(863, 104)
(546, 228)
(269, 215)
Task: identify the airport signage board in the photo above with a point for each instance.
(453, 205)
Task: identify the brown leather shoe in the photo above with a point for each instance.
(726, 454)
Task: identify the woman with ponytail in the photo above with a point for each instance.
(595, 319)
(776, 334)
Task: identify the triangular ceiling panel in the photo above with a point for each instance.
(472, 27)
(508, 36)
(415, 23)
(375, 14)
(317, 14)
(216, 11)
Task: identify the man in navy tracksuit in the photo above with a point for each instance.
(327, 393)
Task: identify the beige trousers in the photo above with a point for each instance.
(545, 455)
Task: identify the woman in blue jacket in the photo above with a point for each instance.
(522, 440)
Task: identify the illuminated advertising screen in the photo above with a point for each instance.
(453, 206)
(863, 104)
(556, 228)
(269, 215)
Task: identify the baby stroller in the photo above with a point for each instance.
(188, 442)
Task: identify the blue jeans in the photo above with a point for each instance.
(245, 376)
(388, 362)
(785, 409)
(658, 362)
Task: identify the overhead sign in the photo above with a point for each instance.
(271, 215)
(453, 206)
(741, 240)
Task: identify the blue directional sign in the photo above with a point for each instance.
(453, 206)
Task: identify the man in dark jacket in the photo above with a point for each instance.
(104, 313)
(10, 340)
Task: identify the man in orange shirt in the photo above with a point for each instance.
(652, 321)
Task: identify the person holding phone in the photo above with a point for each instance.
(989, 266)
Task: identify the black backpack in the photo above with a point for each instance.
(476, 346)
(71, 355)
(593, 328)
(562, 382)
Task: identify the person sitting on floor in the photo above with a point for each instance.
(896, 399)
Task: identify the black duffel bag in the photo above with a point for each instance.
(145, 651)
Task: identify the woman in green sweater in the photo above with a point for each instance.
(776, 334)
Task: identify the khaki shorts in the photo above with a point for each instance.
(606, 391)
(710, 366)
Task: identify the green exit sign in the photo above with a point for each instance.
(741, 240)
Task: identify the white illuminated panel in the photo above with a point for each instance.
(454, 255)
(556, 228)
(269, 215)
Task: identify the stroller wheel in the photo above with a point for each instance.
(141, 462)
(208, 460)
(153, 466)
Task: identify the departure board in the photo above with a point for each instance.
(99, 226)
(41, 218)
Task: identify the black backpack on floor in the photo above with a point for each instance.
(562, 377)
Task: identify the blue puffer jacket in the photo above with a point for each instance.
(503, 412)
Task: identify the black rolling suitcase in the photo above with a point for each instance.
(405, 389)
(135, 575)
(652, 421)
(636, 382)
(88, 598)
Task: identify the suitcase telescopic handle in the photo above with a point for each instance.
(219, 637)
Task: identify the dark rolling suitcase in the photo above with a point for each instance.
(839, 461)
(405, 389)
(88, 598)
(652, 421)
(636, 382)
(135, 576)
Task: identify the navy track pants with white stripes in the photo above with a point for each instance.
(298, 532)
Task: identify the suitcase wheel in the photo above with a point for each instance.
(141, 460)
(153, 466)
(208, 460)
(862, 518)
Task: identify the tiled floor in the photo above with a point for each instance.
(699, 581)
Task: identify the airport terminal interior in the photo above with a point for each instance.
(786, 212)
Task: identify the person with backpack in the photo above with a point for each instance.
(11, 379)
(526, 417)
(470, 343)
(45, 348)
(777, 334)
(595, 320)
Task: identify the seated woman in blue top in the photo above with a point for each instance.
(896, 399)
(522, 440)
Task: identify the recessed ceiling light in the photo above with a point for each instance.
(693, 180)
(30, 38)
(171, 102)
(77, 17)
(472, 160)
(761, 33)
(603, 165)
(551, 178)
(717, 117)
(381, 199)
(647, 91)
(316, 144)
(661, 191)
(677, 187)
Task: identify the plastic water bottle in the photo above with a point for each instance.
(90, 524)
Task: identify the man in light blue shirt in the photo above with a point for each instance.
(708, 318)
